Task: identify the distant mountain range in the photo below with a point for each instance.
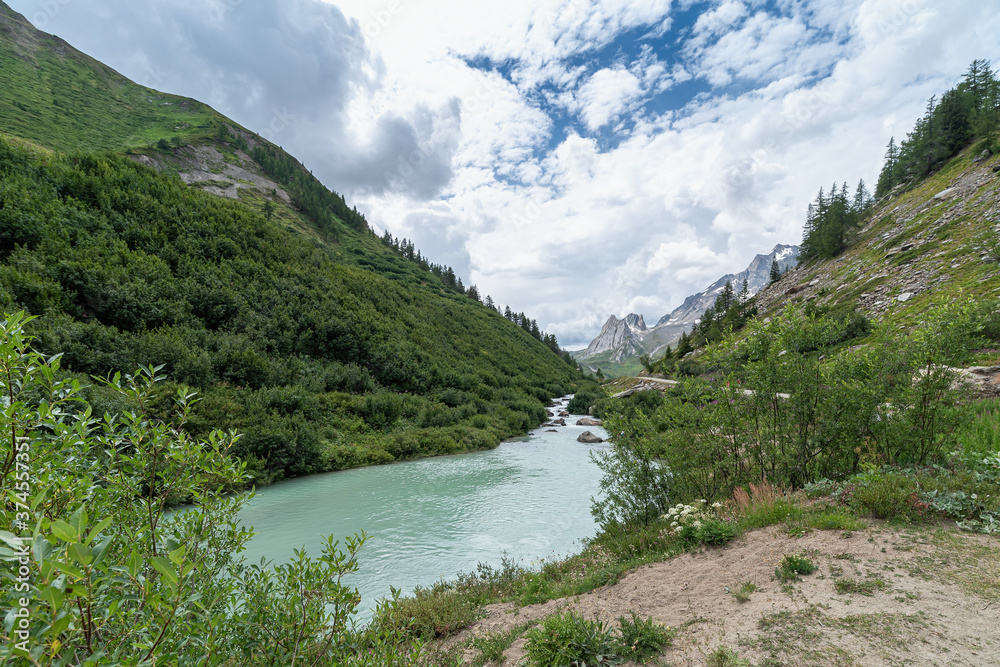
(622, 341)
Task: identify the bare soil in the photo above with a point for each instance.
(938, 602)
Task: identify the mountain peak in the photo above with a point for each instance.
(636, 322)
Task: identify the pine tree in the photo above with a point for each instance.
(775, 272)
(888, 178)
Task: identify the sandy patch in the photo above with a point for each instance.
(938, 602)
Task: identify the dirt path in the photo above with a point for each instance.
(921, 597)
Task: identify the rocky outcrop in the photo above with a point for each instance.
(616, 336)
(636, 323)
(646, 384)
(984, 379)
(589, 438)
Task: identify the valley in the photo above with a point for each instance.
(244, 428)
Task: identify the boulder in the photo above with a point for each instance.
(558, 422)
(985, 379)
(564, 414)
(904, 297)
(945, 194)
(551, 430)
(589, 438)
(996, 168)
(982, 156)
(587, 421)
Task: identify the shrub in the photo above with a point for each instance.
(640, 639)
(569, 639)
(434, 612)
(588, 394)
(698, 524)
(886, 495)
(792, 566)
(635, 483)
(113, 578)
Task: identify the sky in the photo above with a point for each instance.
(574, 159)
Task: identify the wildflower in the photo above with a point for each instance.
(716, 505)
(696, 524)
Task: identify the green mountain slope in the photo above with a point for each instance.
(296, 324)
(918, 248)
(58, 97)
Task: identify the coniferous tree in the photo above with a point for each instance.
(888, 178)
(775, 272)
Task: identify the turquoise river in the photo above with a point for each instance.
(430, 519)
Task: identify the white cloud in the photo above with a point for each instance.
(607, 94)
(551, 221)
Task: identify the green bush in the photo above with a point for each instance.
(886, 495)
(109, 577)
(587, 394)
(433, 612)
(569, 639)
(639, 640)
(791, 566)
(635, 484)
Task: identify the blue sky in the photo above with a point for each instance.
(573, 158)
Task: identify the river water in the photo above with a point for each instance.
(430, 519)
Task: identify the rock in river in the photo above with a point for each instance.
(589, 438)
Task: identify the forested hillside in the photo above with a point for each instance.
(970, 110)
(326, 346)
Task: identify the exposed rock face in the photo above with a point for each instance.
(985, 379)
(646, 384)
(587, 421)
(616, 336)
(757, 275)
(636, 323)
(630, 337)
(589, 438)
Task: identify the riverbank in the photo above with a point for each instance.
(876, 593)
(880, 596)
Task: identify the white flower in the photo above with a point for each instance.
(697, 524)
(673, 524)
(716, 505)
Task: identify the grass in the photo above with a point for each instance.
(809, 636)
(724, 656)
(63, 99)
(742, 594)
(792, 566)
(491, 647)
(866, 587)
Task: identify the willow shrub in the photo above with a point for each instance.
(98, 572)
(780, 411)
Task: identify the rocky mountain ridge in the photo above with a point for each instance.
(630, 337)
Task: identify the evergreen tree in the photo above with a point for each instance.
(683, 346)
(775, 272)
(888, 178)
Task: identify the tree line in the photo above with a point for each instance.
(970, 110)
(407, 250)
